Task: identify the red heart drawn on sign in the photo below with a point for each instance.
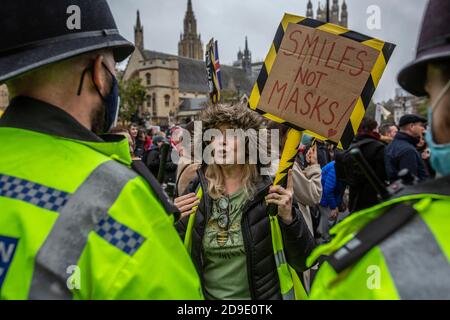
(332, 133)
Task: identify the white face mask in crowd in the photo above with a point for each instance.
(440, 153)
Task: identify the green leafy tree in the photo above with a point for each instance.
(133, 95)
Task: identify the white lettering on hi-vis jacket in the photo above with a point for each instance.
(7, 250)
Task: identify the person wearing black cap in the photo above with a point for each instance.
(402, 152)
(400, 248)
(76, 221)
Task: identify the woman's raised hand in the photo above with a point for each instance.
(187, 204)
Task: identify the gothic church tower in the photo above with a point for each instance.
(190, 45)
(139, 33)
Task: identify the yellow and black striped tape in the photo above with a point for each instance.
(386, 49)
(290, 150)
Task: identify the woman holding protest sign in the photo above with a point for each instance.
(232, 234)
(307, 176)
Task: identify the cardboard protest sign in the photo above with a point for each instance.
(319, 78)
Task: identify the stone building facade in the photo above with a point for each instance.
(176, 85)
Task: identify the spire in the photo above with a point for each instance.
(320, 13)
(190, 23)
(139, 32)
(344, 12)
(190, 44)
(138, 20)
(240, 56)
(247, 58)
(309, 10)
(344, 15)
(334, 16)
(344, 6)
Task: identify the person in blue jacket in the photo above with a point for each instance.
(333, 191)
(402, 152)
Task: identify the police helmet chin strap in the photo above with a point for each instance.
(435, 104)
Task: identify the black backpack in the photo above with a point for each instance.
(347, 170)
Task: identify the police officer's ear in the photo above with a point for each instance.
(101, 76)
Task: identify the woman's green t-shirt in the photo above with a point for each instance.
(225, 273)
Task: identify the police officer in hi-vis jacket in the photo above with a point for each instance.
(78, 220)
(400, 249)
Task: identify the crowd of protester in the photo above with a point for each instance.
(328, 186)
(215, 230)
(146, 145)
(330, 190)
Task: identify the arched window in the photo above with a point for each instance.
(148, 78)
(167, 100)
(149, 101)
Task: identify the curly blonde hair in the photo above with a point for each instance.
(236, 116)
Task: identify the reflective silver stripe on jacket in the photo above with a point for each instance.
(419, 268)
(65, 243)
(280, 258)
(290, 295)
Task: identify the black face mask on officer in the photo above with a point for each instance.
(108, 116)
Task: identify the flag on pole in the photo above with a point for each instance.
(213, 71)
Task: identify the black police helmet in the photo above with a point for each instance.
(37, 33)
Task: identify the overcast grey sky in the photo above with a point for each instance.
(229, 21)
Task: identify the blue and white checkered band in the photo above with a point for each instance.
(33, 193)
(119, 235)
